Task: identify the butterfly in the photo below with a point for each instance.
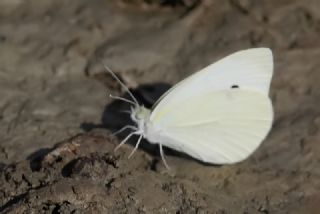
(218, 115)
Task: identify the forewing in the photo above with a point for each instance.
(219, 127)
(249, 69)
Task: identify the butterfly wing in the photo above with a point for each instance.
(217, 127)
(250, 69)
(205, 117)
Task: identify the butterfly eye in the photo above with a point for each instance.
(234, 86)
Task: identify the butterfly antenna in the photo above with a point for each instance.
(122, 99)
(135, 101)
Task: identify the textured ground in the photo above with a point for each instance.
(56, 151)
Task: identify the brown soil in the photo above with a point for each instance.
(53, 89)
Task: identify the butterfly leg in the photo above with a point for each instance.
(124, 128)
(136, 147)
(162, 157)
(124, 140)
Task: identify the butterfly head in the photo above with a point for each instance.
(140, 115)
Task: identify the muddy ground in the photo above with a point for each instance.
(56, 150)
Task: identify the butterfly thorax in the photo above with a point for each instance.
(140, 115)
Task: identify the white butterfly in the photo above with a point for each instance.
(219, 115)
